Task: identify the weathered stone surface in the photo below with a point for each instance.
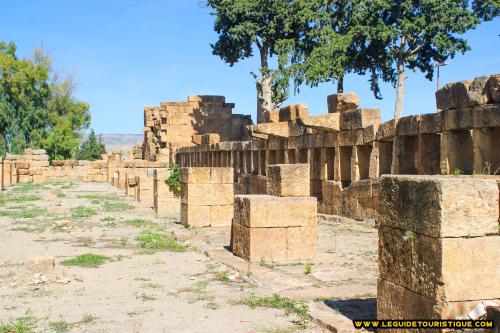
(434, 267)
(255, 244)
(288, 180)
(440, 206)
(387, 130)
(408, 125)
(199, 175)
(327, 122)
(279, 129)
(221, 175)
(396, 302)
(463, 94)
(221, 216)
(301, 243)
(207, 194)
(486, 116)
(342, 102)
(41, 264)
(292, 112)
(493, 86)
(195, 216)
(265, 211)
(359, 118)
(272, 116)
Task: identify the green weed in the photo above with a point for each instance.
(88, 260)
(82, 211)
(116, 206)
(138, 222)
(151, 242)
(20, 325)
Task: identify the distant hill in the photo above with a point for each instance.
(120, 141)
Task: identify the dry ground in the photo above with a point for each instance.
(150, 282)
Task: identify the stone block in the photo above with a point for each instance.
(463, 94)
(195, 175)
(221, 175)
(396, 302)
(359, 118)
(430, 123)
(288, 180)
(272, 116)
(386, 131)
(440, 206)
(493, 86)
(301, 243)
(325, 122)
(342, 102)
(449, 269)
(221, 216)
(207, 194)
(292, 112)
(255, 244)
(195, 216)
(486, 116)
(265, 211)
(41, 264)
(408, 125)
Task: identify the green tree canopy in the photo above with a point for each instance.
(416, 34)
(37, 108)
(245, 25)
(92, 148)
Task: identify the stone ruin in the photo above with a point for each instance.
(431, 182)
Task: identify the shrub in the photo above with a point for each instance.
(173, 181)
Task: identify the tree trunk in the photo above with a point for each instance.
(340, 85)
(400, 89)
(264, 87)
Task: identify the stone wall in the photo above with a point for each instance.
(176, 124)
(438, 246)
(349, 148)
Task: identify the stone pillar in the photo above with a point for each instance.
(277, 227)
(438, 246)
(206, 197)
(165, 201)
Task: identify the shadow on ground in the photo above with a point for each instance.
(364, 308)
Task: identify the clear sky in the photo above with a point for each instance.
(130, 53)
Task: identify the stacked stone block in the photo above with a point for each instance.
(165, 202)
(438, 246)
(281, 226)
(144, 191)
(207, 196)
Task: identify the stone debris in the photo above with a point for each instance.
(41, 264)
(343, 102)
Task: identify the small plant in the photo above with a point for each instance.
(104, 197)
(28, 187)
(408, 235)
(223, 276)
(20, 325)
(278, 302)
(26, 213)
(60, 194)
(174, 180)
(88, 318)
(117, 206)
(138, 222)
(82, 211)
(309, 268)
(60, 326)
(152, 242)
(87, 260)
(264, 263)
(456, 172)
(25, 198)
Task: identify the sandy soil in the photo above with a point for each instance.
(135, 291)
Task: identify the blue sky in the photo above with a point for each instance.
(130, 53)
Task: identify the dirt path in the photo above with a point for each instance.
(153, 275)
(151, 284)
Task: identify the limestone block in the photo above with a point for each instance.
(271, 116)
(326, 122)
(493, 86)
(342, 102)
(434, 267)
(292, 112)
(255, 244)
(23, 179)
(430, 123)
(221, 175)
(387, 130)
(288, 180)
(301, 243)
(207, 194)
(458, 119)
(463, 94)
(359, 118)
(351, 138)
(210, 138)
(195, 216)
(408, 125)
(440, 206)
(41, 264)
(279, 129)
(221, 216)
(195, 175)
(197, 139)
(396, 302)
(486, 116)
(265, 211)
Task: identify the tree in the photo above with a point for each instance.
(415, 34)
(92, 148)
(37, 108)
(243, 25)
(327, 49)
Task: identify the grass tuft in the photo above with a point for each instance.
(117, 206)
(138, 222)
(102, 197)
(82, 211)
(88, 260)
(151, 242)
(26, 213)
(28, 187)
(20, 325)
(278, 302)
(25, 198)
